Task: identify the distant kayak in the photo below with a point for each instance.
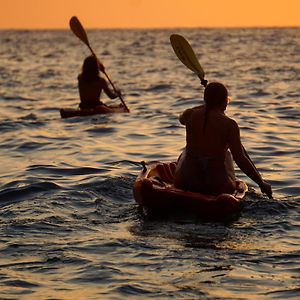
(155, 192)
(69, 112)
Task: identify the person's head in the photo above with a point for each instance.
(90, 70)
(216, 96)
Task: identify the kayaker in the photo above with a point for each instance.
(206, 163)
(91, 84)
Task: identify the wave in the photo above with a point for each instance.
(18, 191)
(70, 171)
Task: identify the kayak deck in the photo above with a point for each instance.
(70, 112)
(155, 192)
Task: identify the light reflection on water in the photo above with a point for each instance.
(69, 224)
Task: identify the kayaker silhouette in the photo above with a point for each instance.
(90, 86)
(206, 165)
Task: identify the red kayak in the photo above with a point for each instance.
(69, 112)
(155, 192)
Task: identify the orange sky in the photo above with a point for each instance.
(149, 13)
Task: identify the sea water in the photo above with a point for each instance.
(70, 228)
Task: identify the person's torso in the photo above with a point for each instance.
(211, 141)
(89, 92)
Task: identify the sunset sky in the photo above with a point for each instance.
(149, 13)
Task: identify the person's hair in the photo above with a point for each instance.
(90, 70)
(215, 94)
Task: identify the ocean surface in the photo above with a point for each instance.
(69, 225)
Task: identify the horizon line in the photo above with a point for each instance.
(154, 28)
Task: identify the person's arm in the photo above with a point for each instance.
(243, 162)
(110, 93)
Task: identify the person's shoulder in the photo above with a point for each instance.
(231, 121)
(101, 80)
(232, 124)
(188, 112)
(185, 116)
(195, 110)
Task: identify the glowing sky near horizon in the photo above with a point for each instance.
(54, 14)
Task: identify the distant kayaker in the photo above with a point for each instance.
(91, 84)
(206, 163)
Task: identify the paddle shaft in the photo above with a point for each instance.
(120, 96)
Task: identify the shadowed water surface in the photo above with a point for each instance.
(70, 227)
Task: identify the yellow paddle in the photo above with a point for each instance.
(79, 31)
(187, 56)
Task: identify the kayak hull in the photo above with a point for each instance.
(156, 194)
(70, 113)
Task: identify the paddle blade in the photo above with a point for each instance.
(78, 30)
(186, 54)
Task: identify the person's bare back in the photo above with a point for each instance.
(213, 141)
(202, 166)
